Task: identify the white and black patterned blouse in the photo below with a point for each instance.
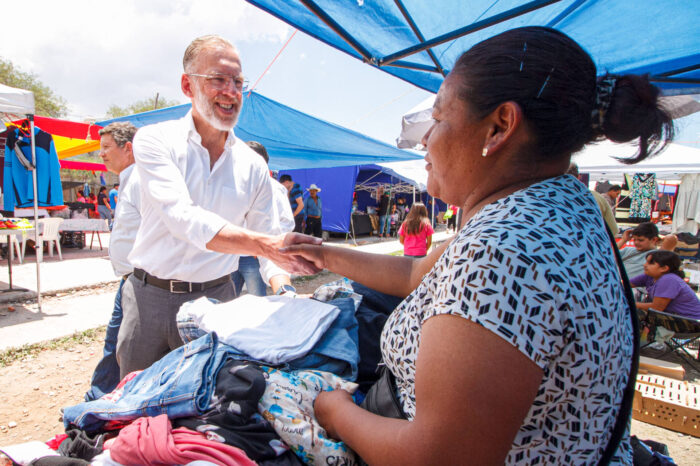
(536, 268)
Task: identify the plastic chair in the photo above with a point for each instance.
(48, 228)
(686, 332)
(14, 243)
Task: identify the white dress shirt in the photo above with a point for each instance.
(185, 203)
(283, 209)
(126, 221)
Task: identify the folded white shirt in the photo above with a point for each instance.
(274, 329)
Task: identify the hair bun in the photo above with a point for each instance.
(627, 107)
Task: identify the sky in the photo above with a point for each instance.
(97, 53)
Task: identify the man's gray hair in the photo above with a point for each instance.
(202, 43)
(121, 131)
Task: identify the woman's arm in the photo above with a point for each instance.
(473, 391)
(394, 275)
(429, 242)
(658, 304)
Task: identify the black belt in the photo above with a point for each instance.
(178, 286)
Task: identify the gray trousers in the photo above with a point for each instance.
(148, 330)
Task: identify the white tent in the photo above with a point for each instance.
(16, 101)
(598, 161)
(413, 170)
(20, 103)
(417, 121)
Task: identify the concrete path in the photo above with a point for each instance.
(62, 316)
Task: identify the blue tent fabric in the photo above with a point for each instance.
(419, 41)
(293, 139)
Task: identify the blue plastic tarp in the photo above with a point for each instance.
(293, 139)
(419, 41)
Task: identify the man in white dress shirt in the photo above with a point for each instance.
(200, 184)
(117, 153)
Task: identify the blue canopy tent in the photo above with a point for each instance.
(338, 184)
(419, 41)
(293, 139)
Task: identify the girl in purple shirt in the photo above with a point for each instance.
(665, 286)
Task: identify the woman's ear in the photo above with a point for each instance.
(664, 269)
(505, 125)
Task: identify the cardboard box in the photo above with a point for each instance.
(668, 403)
(659, 367)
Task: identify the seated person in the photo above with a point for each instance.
(666, 289)
(646, 239)
(501, 342)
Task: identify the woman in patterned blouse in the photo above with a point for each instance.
(514, 342)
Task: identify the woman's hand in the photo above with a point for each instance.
(310, 253)
(324, 406)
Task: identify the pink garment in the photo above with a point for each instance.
(151, 440)
(416, 245)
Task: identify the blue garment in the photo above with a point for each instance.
(294, 193)
(113, 193)
(180, 384)
(337, 350)
(18, 186)
(384, 224)
(249, 272)
(106, 375)
(312, 208)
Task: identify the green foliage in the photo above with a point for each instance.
(47, 103)
(144, 105)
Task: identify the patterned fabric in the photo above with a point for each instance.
(642, 193)
(535, 268)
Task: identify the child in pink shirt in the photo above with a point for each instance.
(415, 233)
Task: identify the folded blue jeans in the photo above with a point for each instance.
(179, 385)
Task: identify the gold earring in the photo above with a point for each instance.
(485, 152)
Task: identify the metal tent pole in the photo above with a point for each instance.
(36, 216)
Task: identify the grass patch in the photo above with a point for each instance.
(307, 278)
(83, 337)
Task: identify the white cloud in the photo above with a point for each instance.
(96, 53)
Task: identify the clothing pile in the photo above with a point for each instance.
(240, 391)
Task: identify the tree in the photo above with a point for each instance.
(139, 106)
(45, 101)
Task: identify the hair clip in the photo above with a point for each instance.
(545, 83)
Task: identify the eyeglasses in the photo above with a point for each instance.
(223, 81)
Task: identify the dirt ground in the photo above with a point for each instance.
(33, 389)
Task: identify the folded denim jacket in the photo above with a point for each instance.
(180, 384)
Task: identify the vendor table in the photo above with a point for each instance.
(7, 232)
(87, 225)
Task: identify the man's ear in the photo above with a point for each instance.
(505, 123)
(186, 85)
(129, 147)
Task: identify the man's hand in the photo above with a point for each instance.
(294, 263)
(305, 250)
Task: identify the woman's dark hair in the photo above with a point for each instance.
(80, 192)
(669, 259)
(417, 216)
(103, 188)
(554, 81)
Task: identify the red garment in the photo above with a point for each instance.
(151, 440)
(56, 441)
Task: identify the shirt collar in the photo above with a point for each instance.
(124, 175)
(194, 135)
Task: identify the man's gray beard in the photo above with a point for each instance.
(206, 111)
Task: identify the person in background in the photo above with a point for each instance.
(117, 154)
(394, 220)
(249, 266)
(103, 207)
(296, 201)
(666, 288)
(611, 197)
(603, 205)
(452, 219)
(415, 233)
(80, 196)
(514, 344)
(383, 211)
(314, 211)
(113, 194)
(646, 239)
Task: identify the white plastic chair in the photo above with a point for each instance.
(14, 242)
(48, 232)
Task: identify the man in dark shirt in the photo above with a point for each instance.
(296, 200)
(103, 207)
